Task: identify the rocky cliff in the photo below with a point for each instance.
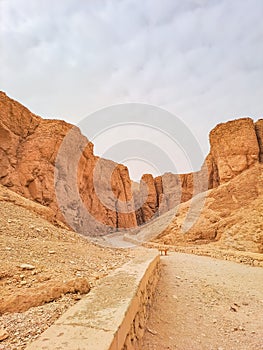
(52, 163)
(234, 147)
(30, 166)
(230, 217)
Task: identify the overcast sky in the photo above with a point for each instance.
(201, 60)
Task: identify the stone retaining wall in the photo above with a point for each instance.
(248, 258)
(113, 315)
(139, 308)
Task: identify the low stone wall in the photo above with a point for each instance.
(113, 315)
(248, 258)
(139, 307)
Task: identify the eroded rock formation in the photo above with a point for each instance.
(52, 163)
(230, 216)
(234, 147)
(29, 147)
(259, 132)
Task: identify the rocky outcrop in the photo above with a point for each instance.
(52, 163)
(230, 216)
(51, 291)
(259, 133)
(234, 147)
(30, 166)
(165, 192)
(148, 197)
(160, 194)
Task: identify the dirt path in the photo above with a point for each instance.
(206, 304)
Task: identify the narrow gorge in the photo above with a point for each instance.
(29, 147)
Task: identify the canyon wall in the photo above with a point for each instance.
(99, 196)
(29, 165)
(234, 147)
(230, 217)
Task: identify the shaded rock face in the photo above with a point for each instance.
(169, 190)
(259, 133)
(29, 147)
(162, 194)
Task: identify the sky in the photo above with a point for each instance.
(200, 61)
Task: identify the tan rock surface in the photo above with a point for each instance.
(148, 192)
(50, 291)
(234, 147)
(3, 334)
(28, 148)
(259, 132)
(231, 216)
(29, 151)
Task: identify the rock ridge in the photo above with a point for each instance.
(235, 146)
(29, 166)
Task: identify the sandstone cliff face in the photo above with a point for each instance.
(169, 190)
(162, 194)
(234, 147)
(37, 163)
(28, 151)
(231, 216)
(259, 132)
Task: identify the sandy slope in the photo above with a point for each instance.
(57, 254)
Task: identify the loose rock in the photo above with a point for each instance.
(27, 267)
(3, 334)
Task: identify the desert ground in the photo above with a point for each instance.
(203, 303)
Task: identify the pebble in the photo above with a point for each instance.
(3, 334)
(151, 331)
(27, 267)
(232, 308)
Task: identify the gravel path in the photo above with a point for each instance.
(206, 304)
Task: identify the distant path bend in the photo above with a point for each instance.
(206, 304)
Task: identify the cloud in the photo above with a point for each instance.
(199, 59)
